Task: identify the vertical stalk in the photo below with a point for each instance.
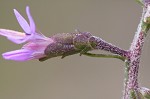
(133, 60)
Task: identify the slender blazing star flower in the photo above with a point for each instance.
(36, 42)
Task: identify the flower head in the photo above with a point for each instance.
(35, 42)
(40, 47)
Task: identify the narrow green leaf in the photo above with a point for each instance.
(105, 56)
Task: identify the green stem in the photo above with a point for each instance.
(105, 56)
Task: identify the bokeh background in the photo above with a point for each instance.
(73, 77)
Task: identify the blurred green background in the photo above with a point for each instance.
(73, 77)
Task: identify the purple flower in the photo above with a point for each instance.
(36, 42)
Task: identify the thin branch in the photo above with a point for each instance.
(100, 44)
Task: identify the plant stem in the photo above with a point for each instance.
(98, 43)
(132, 63)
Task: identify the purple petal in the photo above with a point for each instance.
(32, 24)
(14, 36)
(23, 23)
(18, 55)
(17, 41)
